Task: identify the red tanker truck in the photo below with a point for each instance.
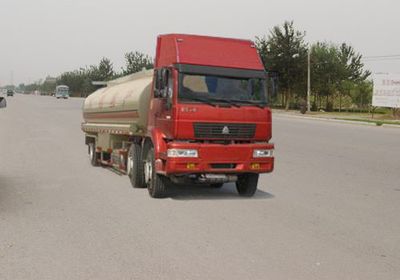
(200, 117)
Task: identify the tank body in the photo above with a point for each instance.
(124, 102)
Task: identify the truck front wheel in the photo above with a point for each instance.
(246, 184)
(135, 166)
(156, 184)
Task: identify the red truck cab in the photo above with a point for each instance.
(209, 120)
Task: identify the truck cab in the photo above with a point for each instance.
(210, 108)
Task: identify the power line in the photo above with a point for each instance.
(375, 58)
(381, 56)
(381, 59)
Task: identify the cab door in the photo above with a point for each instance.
(163, 96)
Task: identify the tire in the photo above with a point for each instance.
(217, 185)
(157, 185)
(135, 166)
(93, 156)
(246, 184)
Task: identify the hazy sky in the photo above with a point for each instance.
(47, 37)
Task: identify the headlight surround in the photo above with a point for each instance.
(262, 153)
(182, 153)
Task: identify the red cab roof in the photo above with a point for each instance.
(207, 51)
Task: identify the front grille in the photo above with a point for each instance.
(224, 130)
(223, 165)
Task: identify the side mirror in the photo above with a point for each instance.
(3, 102)
(159, 78)
(161, 83)
(158, 82)
(164, 92)
(164, 77)
(168, 95)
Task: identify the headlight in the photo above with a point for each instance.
(174, 153)
(262, 153)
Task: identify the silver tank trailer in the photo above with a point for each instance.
(121, 107)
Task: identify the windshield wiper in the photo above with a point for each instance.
(231, 102)
(202, 100)
(255, 103)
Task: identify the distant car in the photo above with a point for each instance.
(3, 102)
(10, 92)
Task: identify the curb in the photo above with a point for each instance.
(391, 125)
(335, 120)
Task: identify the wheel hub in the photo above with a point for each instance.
(129, 165)
(91, 152)
(148, 171)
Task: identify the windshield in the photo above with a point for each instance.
(62, 90)
(207, 88)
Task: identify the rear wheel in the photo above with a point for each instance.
(246, 184)
(135, 166)
(157, 185)
(93, 155)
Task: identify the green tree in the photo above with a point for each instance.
(361, 94)
(285, 52)
(47, 87)
(351, 63)
(74, 80)
(21, 86)
(31, 87)
(136, 61)
(324, 73)
(335, 70)
(105, 69)
(103, 72)
(80, 81)
(351, 70)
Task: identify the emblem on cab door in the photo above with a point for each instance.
(225, 130)
(189, 109)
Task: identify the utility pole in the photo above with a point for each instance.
(309, 80)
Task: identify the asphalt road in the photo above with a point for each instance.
(329, 211)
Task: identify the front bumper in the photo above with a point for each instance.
(216, 158)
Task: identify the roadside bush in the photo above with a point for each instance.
(329, 106)
(314, 107)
